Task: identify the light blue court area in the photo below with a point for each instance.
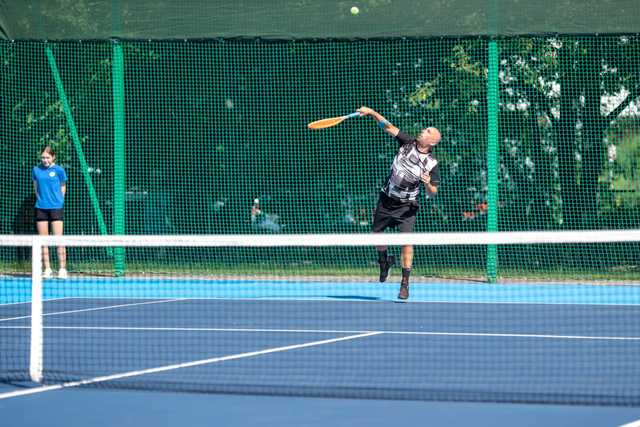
(17, 290)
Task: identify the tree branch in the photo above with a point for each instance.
(532, 94)
(632, 96)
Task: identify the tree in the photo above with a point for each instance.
(553, 125)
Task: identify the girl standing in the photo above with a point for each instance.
(50, 185)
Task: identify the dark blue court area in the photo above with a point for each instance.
(255, 351)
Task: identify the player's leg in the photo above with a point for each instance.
(381, 220)
(406, 225)
(407, 261)
(56, 228)
(385, 261)
(42, 225)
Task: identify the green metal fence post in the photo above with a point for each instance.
(118, 155)
(493, 157)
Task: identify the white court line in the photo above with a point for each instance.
(93, 309)
(632, 424)
(379, 300)
(332, 331)
(178, 366)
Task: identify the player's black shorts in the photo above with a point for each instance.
(49, 215)
(392, 213)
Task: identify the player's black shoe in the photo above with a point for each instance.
(404, 291)
(385, 266)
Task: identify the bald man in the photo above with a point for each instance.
(398, 201)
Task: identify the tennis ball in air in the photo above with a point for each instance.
(355, 10)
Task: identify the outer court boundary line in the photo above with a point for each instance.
(179, 366)
(366, 299)
(337, 298)
(333, 331)
(55, 313)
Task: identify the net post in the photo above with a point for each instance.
(118, 155)
(493, 157)
(36, 345)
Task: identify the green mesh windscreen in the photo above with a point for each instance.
(211, 127)
(211, 137)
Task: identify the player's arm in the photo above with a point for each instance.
(35, 182)
(63, 182)
(382, 122)
(431, 188)
(431, 181)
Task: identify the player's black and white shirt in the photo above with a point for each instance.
(408, 165)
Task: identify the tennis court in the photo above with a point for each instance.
(217, 208)
(536, 343)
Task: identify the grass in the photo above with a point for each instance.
(310, 271)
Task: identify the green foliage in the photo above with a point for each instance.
(626, 167)
(552, 135)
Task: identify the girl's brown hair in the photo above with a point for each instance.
(49, 150)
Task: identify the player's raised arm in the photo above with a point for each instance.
(430, 186)
(382, 122)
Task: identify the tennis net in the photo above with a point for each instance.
(306, 315)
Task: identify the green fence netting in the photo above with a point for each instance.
(210, 137)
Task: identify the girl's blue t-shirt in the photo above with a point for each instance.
(49, 189)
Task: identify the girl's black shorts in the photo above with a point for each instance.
(49, 215)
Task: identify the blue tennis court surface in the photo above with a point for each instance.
(540, 343)
(101, 408)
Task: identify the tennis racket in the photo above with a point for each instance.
(333, 121)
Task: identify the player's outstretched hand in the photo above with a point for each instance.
(365, 111)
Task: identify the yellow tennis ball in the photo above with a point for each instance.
(355, 10)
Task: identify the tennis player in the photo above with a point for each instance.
(398, 200)
(50, 185)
